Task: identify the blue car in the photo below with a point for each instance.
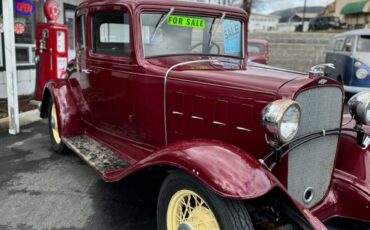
(350, 54)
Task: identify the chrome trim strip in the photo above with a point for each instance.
(219, 123)
(165, 91)
(197, 118)
(177, 113)
(243, 129)
(355, 89)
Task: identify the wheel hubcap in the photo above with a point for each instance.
(188, 211)
(184, 227)
(54, 125)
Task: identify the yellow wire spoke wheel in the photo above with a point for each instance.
(188, 211)
(54, 124)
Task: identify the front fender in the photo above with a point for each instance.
(227, 170)
(353, 160)
(69, 122)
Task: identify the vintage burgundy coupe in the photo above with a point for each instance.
(258, 51)
(165, 86)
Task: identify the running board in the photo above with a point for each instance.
(102, 159)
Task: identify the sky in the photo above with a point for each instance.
(269, 6)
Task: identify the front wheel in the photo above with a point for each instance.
(185, 204)
(56, 142)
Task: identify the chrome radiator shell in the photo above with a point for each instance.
(310, 166)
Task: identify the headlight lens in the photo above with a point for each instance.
(281, 120)
(359, 107)
(358, 64)
(361, 74)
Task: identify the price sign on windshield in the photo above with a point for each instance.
(184, 21)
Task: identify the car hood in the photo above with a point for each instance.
(255, 78)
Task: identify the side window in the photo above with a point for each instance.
(111, 33)
(348, 44)
(81, 33)
(339, 42)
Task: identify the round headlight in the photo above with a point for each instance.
(358, 64)
(281, 120)
(359, 107)
(361, 74)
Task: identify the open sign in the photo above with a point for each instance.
(24, 7)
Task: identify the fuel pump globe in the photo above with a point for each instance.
(51, 10)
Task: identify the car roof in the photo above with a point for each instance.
(169, 3)
(354, 32)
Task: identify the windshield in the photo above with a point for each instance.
(333, 19)
(363, 44)
(255, 48)
(182, 34)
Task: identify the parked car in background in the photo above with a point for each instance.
(325, 23)
(350, 54)
(258, 51)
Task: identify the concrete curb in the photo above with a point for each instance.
(24, 119)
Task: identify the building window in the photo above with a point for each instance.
(81, 33)
(69, 21)
(24, 28)
(24, 54)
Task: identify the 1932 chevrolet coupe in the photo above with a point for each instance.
(166, 86)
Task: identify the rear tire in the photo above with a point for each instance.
(184, 202)
(55, 139)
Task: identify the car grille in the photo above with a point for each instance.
(310, 165)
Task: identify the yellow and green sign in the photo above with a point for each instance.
(184, 21)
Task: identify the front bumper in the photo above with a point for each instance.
(355, 89)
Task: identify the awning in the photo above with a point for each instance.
(354, 8)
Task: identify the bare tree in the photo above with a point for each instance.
(248, 5)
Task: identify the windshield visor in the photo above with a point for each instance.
(181, 34)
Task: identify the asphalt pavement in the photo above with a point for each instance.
(40, 189)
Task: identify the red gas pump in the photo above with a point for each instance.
(51, 48)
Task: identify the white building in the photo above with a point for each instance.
(262, 22)
(25, 43)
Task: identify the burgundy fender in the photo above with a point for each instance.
(69, 122)
(225, 169)
(349, 195)
(228, 171)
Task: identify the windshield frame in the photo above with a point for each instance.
(178, 11)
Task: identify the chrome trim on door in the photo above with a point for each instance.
(197, 118)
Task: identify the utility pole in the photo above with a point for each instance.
(10, 65)
(304, 14)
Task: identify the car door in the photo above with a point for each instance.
(79, 80)
(109, 66)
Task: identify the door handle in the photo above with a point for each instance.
(86, 71)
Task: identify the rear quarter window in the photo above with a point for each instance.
(111, 33)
